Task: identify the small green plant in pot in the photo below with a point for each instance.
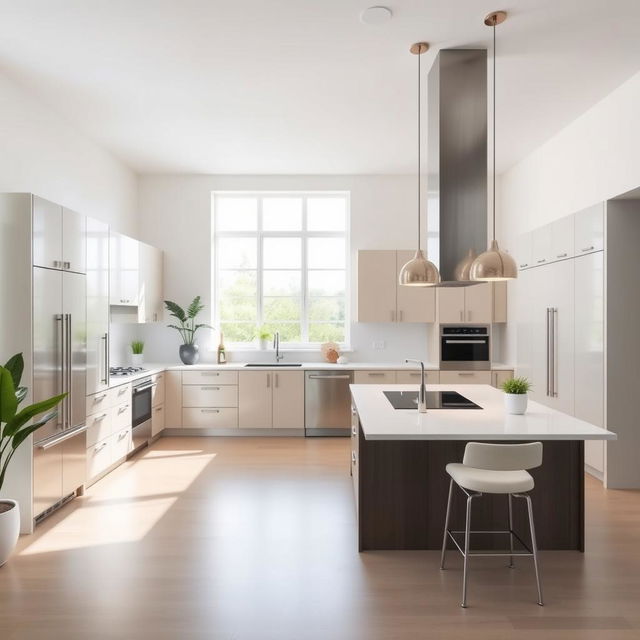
(137, 353)
(16, 425)
(515, 399)
(264, 335)
(187, 328)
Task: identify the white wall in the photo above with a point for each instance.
(175, 215)
(43, 154)
(593, 159)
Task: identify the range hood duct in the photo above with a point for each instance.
(457, 154)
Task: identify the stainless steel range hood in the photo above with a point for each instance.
(457, 153)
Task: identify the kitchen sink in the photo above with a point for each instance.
(273, 364)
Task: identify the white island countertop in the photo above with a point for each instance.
(380, 421)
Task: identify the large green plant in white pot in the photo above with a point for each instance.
(16, 425)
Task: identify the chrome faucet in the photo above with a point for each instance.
(276, 346)
(422, 394)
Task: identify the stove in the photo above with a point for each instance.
(125, 371)
(435, 400)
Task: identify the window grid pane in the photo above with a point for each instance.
(295, 282)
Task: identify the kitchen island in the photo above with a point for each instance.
(398, 460)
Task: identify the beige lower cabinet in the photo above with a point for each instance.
(413, 377)
(374, 377)
(288, 400)
(498, 378)
(172, 399)
(465, 377)
(157, 420)
(209, 399)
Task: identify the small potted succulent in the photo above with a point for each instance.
(515, 398)
(188, 328)
(264, 335)
(137, 353)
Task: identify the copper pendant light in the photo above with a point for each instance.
(419, 272)
(494, 264)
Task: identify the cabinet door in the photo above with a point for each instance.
(414, 304)
(589, 338)
(173, 399)
(47, 234)
(542, 250)
(157, 420)
(562, 238)
(478, 303)
(498, 378)
(377, 279)
(288, 400)
(255, 399)
(151, 284)
(589, 229)
(537, 302)
(124, 269)
(525, 310)
(594, 454)
(465, 377)
(414, 377)
(451, 305)
(374, 377)
(97, 306)
(74, 241)
(524, 251)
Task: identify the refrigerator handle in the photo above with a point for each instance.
(105, 367)
(548, 350)
(68, 372)
(61, 357)
(554, 316)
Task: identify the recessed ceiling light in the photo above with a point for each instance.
(376, 15)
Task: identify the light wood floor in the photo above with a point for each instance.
(243, 539)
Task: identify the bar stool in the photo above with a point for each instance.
(498, 469)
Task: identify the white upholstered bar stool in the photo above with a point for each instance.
(499, 469)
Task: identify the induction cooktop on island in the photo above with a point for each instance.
(435, 400)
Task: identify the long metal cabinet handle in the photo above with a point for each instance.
(69, 374)
(60, 319)
(105, 366)
(548, 351)
(554, 328)
(62, 438)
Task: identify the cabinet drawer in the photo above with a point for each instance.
(97, 402)
(98, 457)
(374, 377)
(413, 377)
(465, 377)
(209, 377)
(209, 396)
(121, 445)
(120, 394)
(203, 418)
(157, 392)
(121, 417)
(157, 420)
(99, 427)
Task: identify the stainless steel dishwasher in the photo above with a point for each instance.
(327, 403)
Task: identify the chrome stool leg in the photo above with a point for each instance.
(467, 535)
(534, 549)
(446, 525)
(511, 565)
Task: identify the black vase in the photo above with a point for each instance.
(189, 353)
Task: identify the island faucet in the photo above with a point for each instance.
(276, 346)
(422, 394)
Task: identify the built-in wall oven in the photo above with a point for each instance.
(464, 347)
(141, 411)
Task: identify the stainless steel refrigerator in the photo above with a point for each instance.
(59, 366)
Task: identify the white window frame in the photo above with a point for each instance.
(304, 234)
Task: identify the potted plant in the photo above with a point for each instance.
(187, 328)
(515, 399)
(15, 427)
(264, 335)
(137, 355)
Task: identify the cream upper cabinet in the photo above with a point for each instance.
(151, 299)
(524, 251)
(413, 304)
(255, 399)
(377, 280)
(471, 305)
(542, 249)
(124, 270)
(288, 400)
(589, 229)
(451, 305)
(478, 303)
(74, 243)
(562, 238)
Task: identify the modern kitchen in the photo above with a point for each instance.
(319, 322)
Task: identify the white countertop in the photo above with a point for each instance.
(380, 421)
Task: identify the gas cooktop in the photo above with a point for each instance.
(435, 400)
(125, 371)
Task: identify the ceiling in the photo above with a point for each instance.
(301, 86)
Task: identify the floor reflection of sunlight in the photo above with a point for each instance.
(124, 506)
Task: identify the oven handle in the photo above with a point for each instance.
(144, 387)
(467, 341)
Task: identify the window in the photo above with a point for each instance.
(280, 263)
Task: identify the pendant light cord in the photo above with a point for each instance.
(493, 203)
(419, 158)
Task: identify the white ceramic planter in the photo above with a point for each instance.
(9, 529)
(137, 359)
(264, 344)
(515, 403)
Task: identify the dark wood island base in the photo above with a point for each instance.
(401, 490)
